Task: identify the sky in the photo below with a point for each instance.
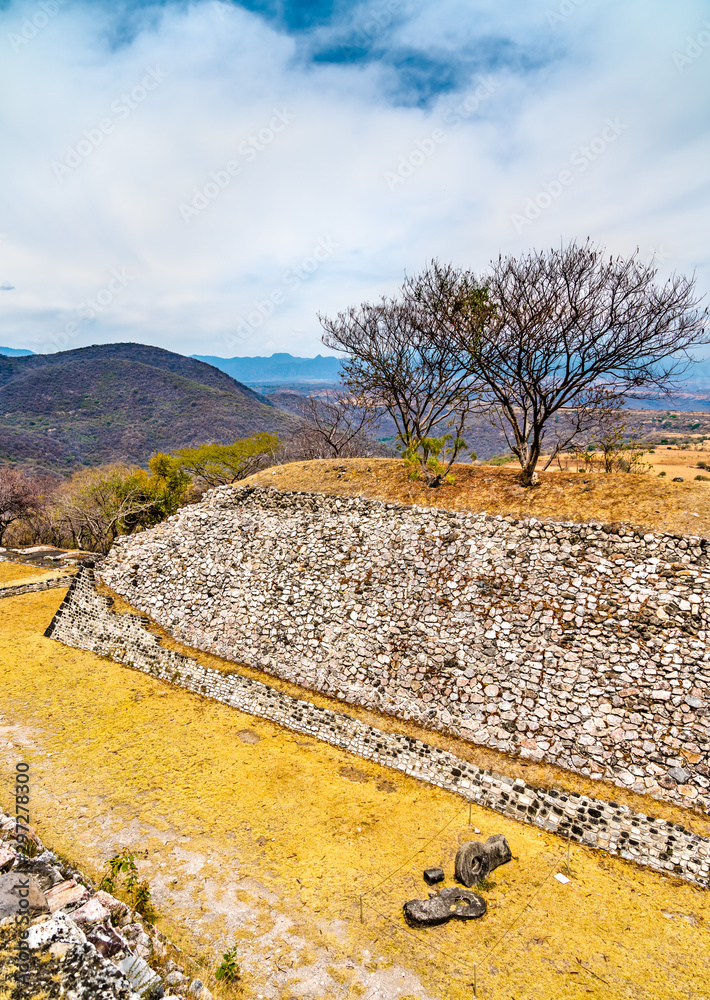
(207, 177)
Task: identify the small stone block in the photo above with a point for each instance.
(433, 875)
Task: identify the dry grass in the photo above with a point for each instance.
(16, 574)
(261, 833)
(641, 500)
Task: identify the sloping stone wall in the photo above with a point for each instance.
(85, 620)
(581, 644)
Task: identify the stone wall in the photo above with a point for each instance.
(33, 588)
(581, 644)
(85, 620)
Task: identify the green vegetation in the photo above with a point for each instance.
(228, 969)
(435, 456)
(613, 448)
(95, 505)
(217, 464)
(122, 875)
(98, 505)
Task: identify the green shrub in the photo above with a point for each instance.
(122, 868)
(228, 969)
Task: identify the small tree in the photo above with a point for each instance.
(20, 496)
(219, 464)
(573, 330)
(399, 359)
(612, 446)
(97, 505)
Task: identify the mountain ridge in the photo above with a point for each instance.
(121, 402)
(280, 368)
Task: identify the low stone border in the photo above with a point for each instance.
(85, 620)
(31, 588)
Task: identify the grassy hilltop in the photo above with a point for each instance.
(644, 500)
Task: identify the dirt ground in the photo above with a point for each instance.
(249, 833)
(642, 500)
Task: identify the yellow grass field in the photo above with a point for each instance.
(17, 574)
(253, 834)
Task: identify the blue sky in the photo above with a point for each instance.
(208, 176)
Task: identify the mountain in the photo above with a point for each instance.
(14, 352)
(121, 402)
(279, 368)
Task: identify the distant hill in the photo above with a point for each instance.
(15, 352)
(279, 368)
(121, 402)
(283, 371)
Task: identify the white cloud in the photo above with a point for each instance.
(323, 176)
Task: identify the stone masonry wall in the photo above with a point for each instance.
(85, 620)
(581, 644)
(33, 588)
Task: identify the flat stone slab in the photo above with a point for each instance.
(92, 912)
(461, 904)
(138, 973)
(66, 894)
(57, 928)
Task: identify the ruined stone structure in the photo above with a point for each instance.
(85, 620)
(581, 644)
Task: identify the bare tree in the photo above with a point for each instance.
(573, 330)
(613, 444)
(395, 362)
(20, 495)
(336, 426)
